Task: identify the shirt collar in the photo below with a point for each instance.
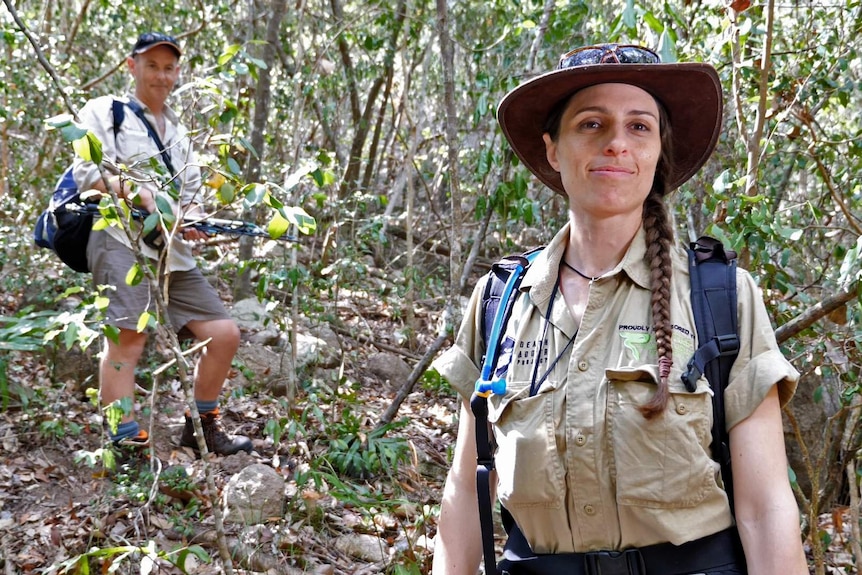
(543, 273)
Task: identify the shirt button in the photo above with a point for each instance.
(681, 409)
(583, 366)
(589, 509)
(580, 440)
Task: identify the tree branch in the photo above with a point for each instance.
(42, 59)
(816, 312)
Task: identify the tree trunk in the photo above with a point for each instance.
(451, 121)
(261, 113)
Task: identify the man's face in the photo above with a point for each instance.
(155, 72)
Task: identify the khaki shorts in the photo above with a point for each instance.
(191, 297)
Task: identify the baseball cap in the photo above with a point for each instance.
(149, 40)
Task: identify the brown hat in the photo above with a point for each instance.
(690, 93)
(149, 40)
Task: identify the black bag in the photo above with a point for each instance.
(64, 227)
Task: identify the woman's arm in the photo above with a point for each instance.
(458, 546)
(766, 512)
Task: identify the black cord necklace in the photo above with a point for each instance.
(535, 385)
(574, 269)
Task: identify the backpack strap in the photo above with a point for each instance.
(714, 303)
(497, 301)
(118, 109)
(139, 112)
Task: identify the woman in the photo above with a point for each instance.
(600, 446)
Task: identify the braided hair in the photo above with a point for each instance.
(659, 238)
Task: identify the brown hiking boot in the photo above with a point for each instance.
(217, 440)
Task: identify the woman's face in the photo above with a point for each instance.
(607, 149)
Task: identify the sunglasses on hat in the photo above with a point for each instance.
(608, 54)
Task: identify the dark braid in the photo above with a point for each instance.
(659, 238)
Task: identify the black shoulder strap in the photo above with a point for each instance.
(118, 107)
(497, 301)
(714, 302)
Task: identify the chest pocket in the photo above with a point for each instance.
(528, 460)
(663, 462)
(134, 146)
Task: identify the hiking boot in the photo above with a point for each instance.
(217, 439)
(132, 451)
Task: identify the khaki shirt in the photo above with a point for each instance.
(135, 148)
(578, 466)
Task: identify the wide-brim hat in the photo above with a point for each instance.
(149, 40)
(690, 93)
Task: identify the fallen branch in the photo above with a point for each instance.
(417, 372)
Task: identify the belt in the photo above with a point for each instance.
(699, 556)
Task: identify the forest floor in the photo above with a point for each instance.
(57, 511)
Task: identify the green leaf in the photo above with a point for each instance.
(298, 217)
(82, 149)
(111, 332)
(70, 335)
(654, 23)
(143, 321)
(228, 113)
(253, 194)
(226, 193)
(629, 16)
(229, 53)
(166, 209)
(278, 225)
(69, 291)
(667, 47)
(71, 132)
(135, 275)
(295, 177)
(258, 63)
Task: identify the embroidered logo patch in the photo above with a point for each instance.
(682, 341)
(635, 341)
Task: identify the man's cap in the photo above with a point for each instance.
(149, 40)
(690, 93)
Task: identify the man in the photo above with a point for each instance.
(192, 303)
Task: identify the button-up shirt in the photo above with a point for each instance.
(578, 465)
(134, 147)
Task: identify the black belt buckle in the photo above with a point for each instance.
(628, 562)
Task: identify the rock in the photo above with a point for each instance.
(389, 368)
(363, 546)
(265, 363)
(253, 495)
(312, 351)
(249, 314)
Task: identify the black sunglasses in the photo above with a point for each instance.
(608, 54)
